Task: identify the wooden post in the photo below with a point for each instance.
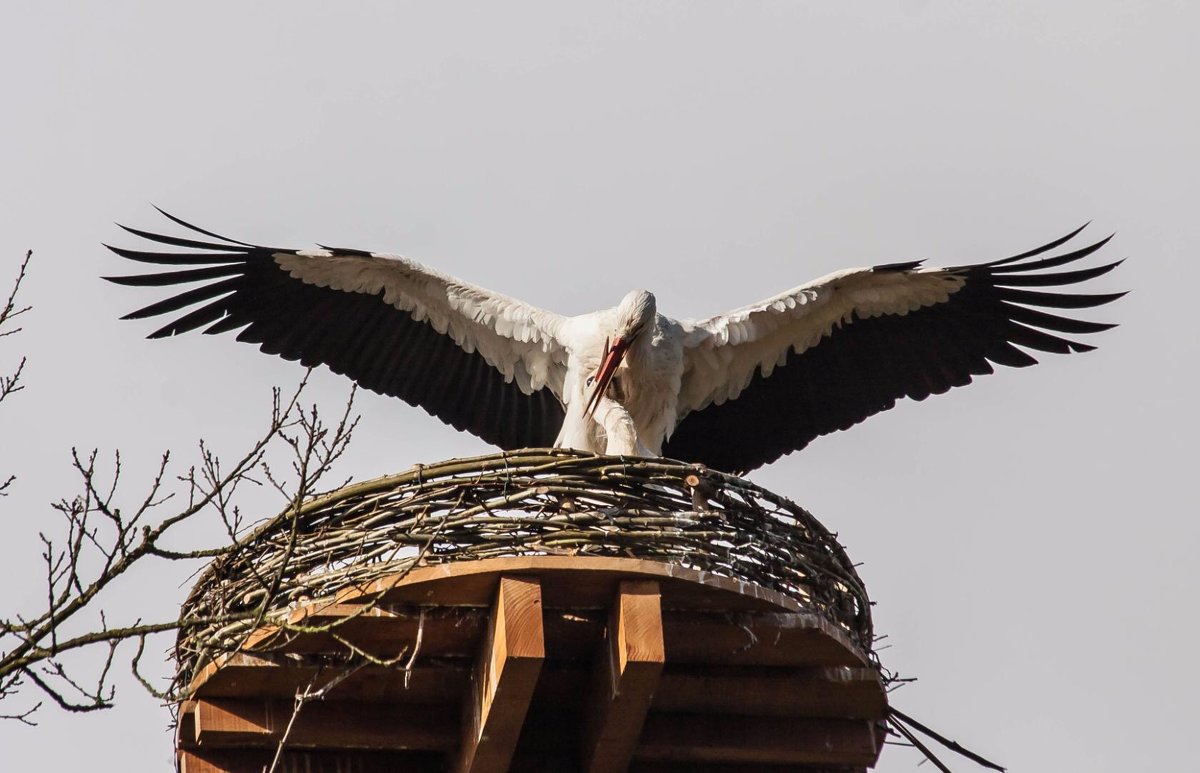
(505, 676)
(625, 677)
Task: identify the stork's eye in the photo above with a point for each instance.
(591, 380)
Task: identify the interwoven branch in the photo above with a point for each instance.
(532, 502)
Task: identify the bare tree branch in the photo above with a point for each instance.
(103, 533)
(101, 540)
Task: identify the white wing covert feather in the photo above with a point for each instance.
(516, 338)
(725, 352)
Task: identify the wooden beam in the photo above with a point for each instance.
(202, 762)
(842, 692)
(504, 679)
(185, 724)
(384, 632)
(757, 639)
(743, 767)
(226, 722)
(575, 581)
(625, 677)
(306, 761)
(710, 738)
(233, 723)
(695, 637)
(244, 675)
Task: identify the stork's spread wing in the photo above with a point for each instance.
(764, 380)
(478, 360)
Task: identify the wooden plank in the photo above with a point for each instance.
(306, 761)
(655, 766)
(189, 761)
(236, 722)
(227, 722)
(749, 638)
(505, 677)
(847, 693)
(185, 725)
(577, 581)
(245, 675)
(757, 639)
(626, 676)
(453, 632)
(385, 633)
(696, 738)
(844, 692)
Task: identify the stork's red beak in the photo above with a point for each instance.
(608, 367)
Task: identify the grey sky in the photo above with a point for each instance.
(1030, 540)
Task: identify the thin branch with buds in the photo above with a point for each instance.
(102, 539)
(10, 383)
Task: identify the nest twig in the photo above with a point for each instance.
(531, 502)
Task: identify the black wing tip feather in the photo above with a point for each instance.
(1010, 278)
(225, 261)
(199, 230)
(132, 280)
(1024, 324)
(223, 243)
(1015, 259)
(907, 265)
(176, 241)
(1047, 246)
(1014, 262)
(348, 251)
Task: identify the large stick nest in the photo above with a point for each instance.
(533, 502)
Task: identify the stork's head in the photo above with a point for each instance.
(634, 316)
(635, 312)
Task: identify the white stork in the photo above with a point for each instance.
(733, 391)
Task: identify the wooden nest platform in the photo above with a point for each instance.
(534, 611)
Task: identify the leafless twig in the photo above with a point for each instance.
(10, 383)
(101, 540)
(909, 727)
